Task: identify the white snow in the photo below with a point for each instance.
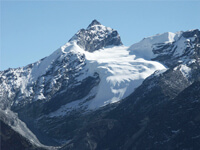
(42, 66)
(191, 61)
(121, 69)
(181, 45)
(159, 72)
(120, 73)
(143, 48)
(185, 70)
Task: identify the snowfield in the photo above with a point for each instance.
(120, 73)
(144, 48)
(121, 69)
(93, 69)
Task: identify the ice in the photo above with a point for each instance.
(121, 69)
(143, 49)
(120, 73)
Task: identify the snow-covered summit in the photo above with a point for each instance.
(110, 72)
(119, 69)
(96, 36)
(144, 48)
(90, 71)
(94, 22)
(169, 48)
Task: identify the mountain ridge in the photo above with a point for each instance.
(88, 76)
(96, 36)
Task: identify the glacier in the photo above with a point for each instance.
(52, 87)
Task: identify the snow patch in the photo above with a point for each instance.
(143, 49)
(185, 70)
(75, 105)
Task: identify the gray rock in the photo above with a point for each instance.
(96, 36)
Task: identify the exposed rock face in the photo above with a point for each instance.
(41, 88)
(171, 49)
(52, 95)
(163, 113)
(96, 36)
(153, 117)
(184, 50)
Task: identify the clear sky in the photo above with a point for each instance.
(31, 30)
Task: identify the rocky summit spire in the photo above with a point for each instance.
(96, 37)
(94, 22)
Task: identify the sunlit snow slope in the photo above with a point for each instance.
(93, 69)
(95, 50)
(120, 73)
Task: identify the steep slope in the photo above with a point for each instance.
(11, 119)
(151, 122)
(169, 48)
(71, 65)
(11, 140)
(96, 36)
(162, 113)
(95, 93)
(90, 71)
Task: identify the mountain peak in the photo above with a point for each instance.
(96, 37)
(94, 22)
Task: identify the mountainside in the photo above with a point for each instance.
(96, 36)
(11, 140)
(148, 122)
(96, 93)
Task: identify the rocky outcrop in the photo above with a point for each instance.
(52, 95)
(163, 113)
(96, 36)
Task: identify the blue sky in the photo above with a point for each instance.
(31, 30)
